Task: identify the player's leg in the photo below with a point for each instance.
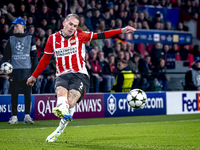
(26, 89)
(14, 89)
(59, 130)
(62, 107)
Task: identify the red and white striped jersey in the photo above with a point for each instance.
(69, 53)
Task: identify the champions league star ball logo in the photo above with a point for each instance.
(19, 46)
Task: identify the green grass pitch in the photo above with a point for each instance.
(172, 132)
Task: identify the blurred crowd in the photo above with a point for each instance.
(105, 59)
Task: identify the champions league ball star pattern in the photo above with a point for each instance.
(7, 68)
(136, 98)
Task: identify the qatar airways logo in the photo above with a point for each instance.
(66, 51)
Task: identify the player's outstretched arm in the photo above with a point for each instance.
(113, 33)
(40, 68)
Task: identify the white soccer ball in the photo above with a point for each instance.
(7, 68)
(136, 98)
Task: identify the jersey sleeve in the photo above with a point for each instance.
(49, 46)
(86, 36)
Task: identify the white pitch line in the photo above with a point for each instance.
(106, 124)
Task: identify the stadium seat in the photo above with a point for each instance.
(190, 58)
(142, 49)
(177, 57)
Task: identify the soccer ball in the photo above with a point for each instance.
(7, 68)
(136, 98)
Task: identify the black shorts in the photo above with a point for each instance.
(75, 81)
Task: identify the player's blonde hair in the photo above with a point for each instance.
(72, 15)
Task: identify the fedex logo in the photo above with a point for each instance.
(190, 104)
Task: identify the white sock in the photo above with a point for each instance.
(63, 123)
(14, 117)
(26, 115)
(62, 102)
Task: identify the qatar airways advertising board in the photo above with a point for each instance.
(92, 106)
(183, 102)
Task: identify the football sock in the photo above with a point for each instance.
(62, 102)
(14, 116)
(63, 123)
(26, 115)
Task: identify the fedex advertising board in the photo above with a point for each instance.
(116, 105)
(5, 108)
(183, 102)
(92, 106)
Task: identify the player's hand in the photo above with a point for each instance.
(31, 81)
(128, 29)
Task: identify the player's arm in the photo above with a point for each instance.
(44, 61)
(112, 33)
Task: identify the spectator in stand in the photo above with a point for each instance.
(90, 71)
(181, 27)
(118, 23)
(106, 17)
(130, 23)
(58, 16)
(168, 26)
(156, 53)
(97, 69)
(120, 56)
(124, 46)
(196, 15)
(160, 74)
(107, 47)
(43, 13)
(95, 19)
(147, 18)
(144, 2)
(88, 47)
(32, 13)
(98, 42)
(73, 5)
(40, 34)
(195, 51)
(30, 21)
(112, 24)
(4, 79)
(177, 4)
(39, 50)
(116, 48)
(111, 62)
(130, 49)
(192, 76)
(153, 2)
(174, 49)
(139, 25)
(145, 68)
(22, 10)
(91, 4)
(124, 79)
(165, 51)
(53, 24)
(184, 51)
(157, 26)
(141, 17)
(2, 21)
(82, 4)
(135, 25)
(12, 11)
(25, 17)
(82, 25)
(108, 80)
(88, 21)
(4, 32)
(145, 25)
(134, 63)
(112, 15)
(135, 17)
(161, 26)
(31, 30)
(103, 26)
(43, 23)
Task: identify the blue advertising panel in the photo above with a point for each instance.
(5, 108)
(116, 105)
(166, 14)
(162, 36)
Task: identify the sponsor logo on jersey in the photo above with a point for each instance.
(66, 51)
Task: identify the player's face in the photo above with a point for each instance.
(18, 28)
(70, 25)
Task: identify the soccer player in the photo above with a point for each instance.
(72, 81)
